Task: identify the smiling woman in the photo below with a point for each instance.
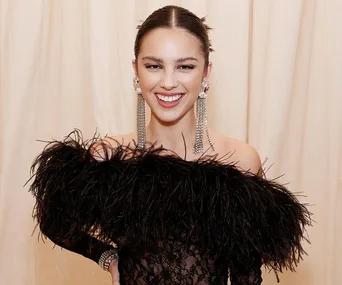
(171, 66)
(172, 218)
(169, 98)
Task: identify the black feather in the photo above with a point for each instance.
(137, 198)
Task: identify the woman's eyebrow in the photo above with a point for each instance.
(178, 60)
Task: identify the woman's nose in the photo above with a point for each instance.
(169, 80)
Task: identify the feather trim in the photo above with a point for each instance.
(140, 197)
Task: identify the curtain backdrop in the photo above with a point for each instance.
(276, 83)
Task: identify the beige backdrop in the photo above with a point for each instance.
(277, 83)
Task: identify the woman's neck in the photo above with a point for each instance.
(173, 135)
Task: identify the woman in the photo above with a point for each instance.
(173, 203)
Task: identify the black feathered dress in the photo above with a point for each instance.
(173, 221)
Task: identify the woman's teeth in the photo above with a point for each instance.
(168, 98)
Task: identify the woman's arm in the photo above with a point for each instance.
(84, 244)
(67, 205)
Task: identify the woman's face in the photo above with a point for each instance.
(170, 67)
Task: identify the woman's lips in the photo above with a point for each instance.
(169, 100)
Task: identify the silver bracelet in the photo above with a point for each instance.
(107, 257)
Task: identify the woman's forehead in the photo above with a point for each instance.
(166, 43)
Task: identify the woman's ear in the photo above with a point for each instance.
(135, 68)
(207, 72)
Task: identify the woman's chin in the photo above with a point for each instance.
(168, 117)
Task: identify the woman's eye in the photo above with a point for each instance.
(187, 67)
(152, 66)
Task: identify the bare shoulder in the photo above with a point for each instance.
(241, 153)
(104, 147)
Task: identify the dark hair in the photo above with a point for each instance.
(175, 17)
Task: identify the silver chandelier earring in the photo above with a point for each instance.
(141, 125)
(201, 119)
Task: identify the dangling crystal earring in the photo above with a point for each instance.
(141, 125)
(201, 120)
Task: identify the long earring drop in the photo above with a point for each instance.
(141, 124)
(201, 120)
